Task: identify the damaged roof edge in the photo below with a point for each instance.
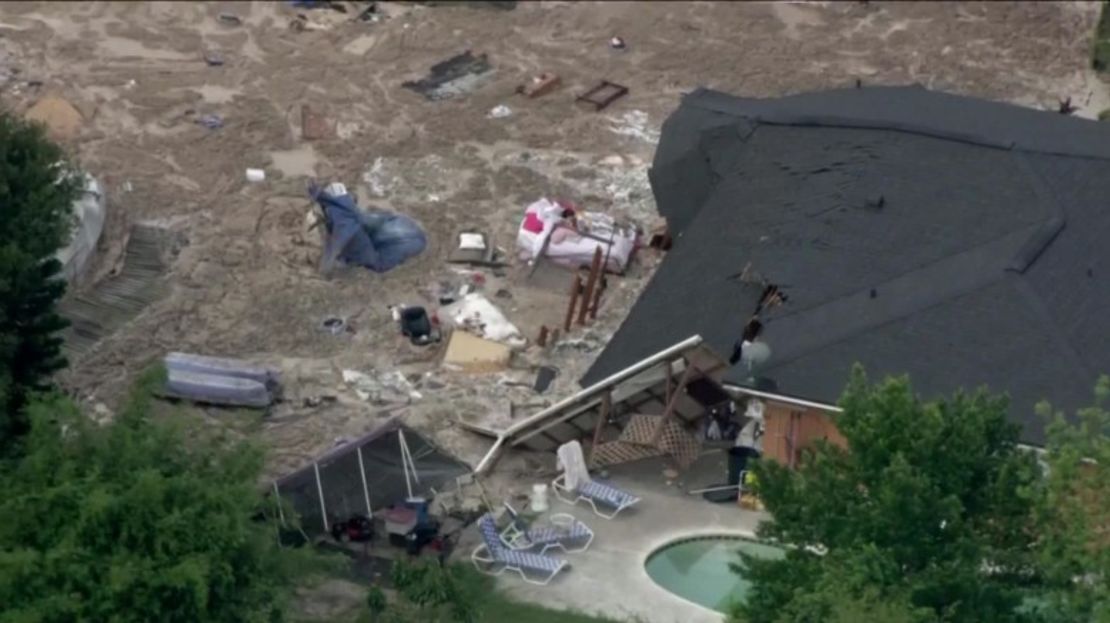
(613, 379)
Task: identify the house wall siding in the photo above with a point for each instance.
(788, 429)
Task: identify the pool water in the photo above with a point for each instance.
(697, 569)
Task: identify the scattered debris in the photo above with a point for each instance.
(635, 123)
(311, 402)
(379, 389)
(617, 43)
(500, 112)
(212, 122)
(62, 120)
(219, 381)
(455, 76)
(213, 58)
(540, 85)
(476, 314)
(314, 125)
(544, 378)
(603, 94)
(474, 354)
(334, 325)
(369, 14)
(256, 175)
(302, 23)
(230, 19)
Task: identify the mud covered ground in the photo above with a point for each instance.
(245, 284)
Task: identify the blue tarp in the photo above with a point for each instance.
(371, 238)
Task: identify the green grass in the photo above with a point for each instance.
(497, 608)
(1100, 52)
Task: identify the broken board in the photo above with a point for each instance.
(471, 353)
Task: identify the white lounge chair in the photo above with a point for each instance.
(575, 485)
(562, 530)
(492, 557)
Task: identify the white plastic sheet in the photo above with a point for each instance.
(89, 212)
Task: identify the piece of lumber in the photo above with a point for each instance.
(591, 283)
(575, 291)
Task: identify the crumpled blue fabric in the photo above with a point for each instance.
(375, 239)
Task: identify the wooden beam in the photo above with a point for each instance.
(673, 402)
(575, 291)
(602, 419)
(591, 283)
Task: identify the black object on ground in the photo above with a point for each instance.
(457, 75)
(722, 495)
(544, 378)
(416, 325)
(358, 529)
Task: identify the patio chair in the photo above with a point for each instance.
(562, 530)
(605, 499)
(492, 557)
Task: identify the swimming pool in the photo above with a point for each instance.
(696, 568)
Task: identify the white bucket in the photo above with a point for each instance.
(539, 498)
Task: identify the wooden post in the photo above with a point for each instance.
(602, 419)
(575, 291)
(591, 283)
(541, 341)
(602, 286)
(672, 403)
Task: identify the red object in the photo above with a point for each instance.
(532, 223)
(478, 278)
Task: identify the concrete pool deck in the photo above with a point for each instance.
(609, 579)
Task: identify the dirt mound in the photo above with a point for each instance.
(62, 120)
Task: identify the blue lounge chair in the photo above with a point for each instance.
(492, 557)
(600, 495)
(561, 530)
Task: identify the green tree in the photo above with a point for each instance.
(36, 197)
(927, 509)
(1073, 513)
(134, 521)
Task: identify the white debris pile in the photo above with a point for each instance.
(475, 314)
(634, 123)
(381, 388)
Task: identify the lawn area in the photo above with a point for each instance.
(498, 609)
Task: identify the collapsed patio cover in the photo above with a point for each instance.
(676, 384)
(379, 469)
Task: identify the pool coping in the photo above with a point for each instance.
(659, 544)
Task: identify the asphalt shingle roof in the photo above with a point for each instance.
(985, 263)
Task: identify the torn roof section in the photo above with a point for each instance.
(950, 238)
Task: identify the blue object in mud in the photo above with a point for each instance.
(370, 238)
